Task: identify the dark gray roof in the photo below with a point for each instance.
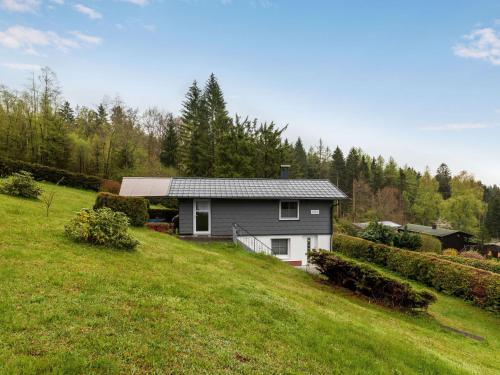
(231, 188)
(438, 232)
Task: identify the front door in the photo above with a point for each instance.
(201, 216)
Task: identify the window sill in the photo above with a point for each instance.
(289, 219)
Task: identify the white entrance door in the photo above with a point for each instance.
(201, 216)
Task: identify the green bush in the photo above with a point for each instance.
(44, 173)
(345, 227)
(379, 233)
(472, 284)
(430, 244)
(101, 227)
(366, 280)
(21, 184)
(135, 208)
(488, 265)
(407, 240)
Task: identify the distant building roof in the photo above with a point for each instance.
(432, 231)
(145, 186)
(386, 223)
(254, 188)
(230, 188)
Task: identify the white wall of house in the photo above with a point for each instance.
(297, 244)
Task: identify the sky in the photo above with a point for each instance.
(416, 80)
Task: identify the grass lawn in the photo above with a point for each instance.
(178, 307)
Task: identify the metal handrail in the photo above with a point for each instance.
(257, 245)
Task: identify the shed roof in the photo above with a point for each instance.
(232, 188)
(386, 223)
(145, 186)
(436, 232)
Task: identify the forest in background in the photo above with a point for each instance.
(114, 140)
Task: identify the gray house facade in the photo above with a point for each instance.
(282, 217)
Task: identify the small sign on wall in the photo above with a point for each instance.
(314, 212)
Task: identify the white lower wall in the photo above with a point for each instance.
(297, 244)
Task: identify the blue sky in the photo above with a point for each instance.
(418, 80)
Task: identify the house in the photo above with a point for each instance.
(281, 217)
(386, 223)
(449, 238)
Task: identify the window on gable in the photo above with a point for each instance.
(279, 246)
(289, 210)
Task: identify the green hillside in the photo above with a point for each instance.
(178, 307)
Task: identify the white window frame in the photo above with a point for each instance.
(288, 245)
(209, 210)
(298, 209)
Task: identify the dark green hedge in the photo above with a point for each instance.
(135, 208)
(44, 173)
(366, 280)
(472, 284)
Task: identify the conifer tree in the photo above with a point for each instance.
(218, 124)
(337, 169)
(299, 165)
(443, 177)
(170, 144)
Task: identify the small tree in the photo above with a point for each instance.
(48, 198)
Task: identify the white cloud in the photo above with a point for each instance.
(89, 39)
(456, 127)
(150, 28)
(23, 67)
(30, 40)
(482, 44)
(137, 2)
(27, 38)
(91, 13)
(20, 5)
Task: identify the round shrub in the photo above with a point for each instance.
(430, 244)
(101, 227)
(21, 184)
(450, 252)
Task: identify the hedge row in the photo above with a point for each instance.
(488, 265)
(369, 282)
(472, 284)
(135, 208)
(50, 174)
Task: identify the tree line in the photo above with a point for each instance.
(113, 140)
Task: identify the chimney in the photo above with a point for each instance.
(284, 171)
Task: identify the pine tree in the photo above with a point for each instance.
(67, 114)
(391, 173)
(218, 124)
(443, 177)
(337, 169)
(377, 173)
(194, 134)
(299, 165)
(352, 168)
(169, 144)
(268, 148)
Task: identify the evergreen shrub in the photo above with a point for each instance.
(101, 227)
(50, 174)
(479, 286)
(136, 208)
(369, 282)
(21, 184)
